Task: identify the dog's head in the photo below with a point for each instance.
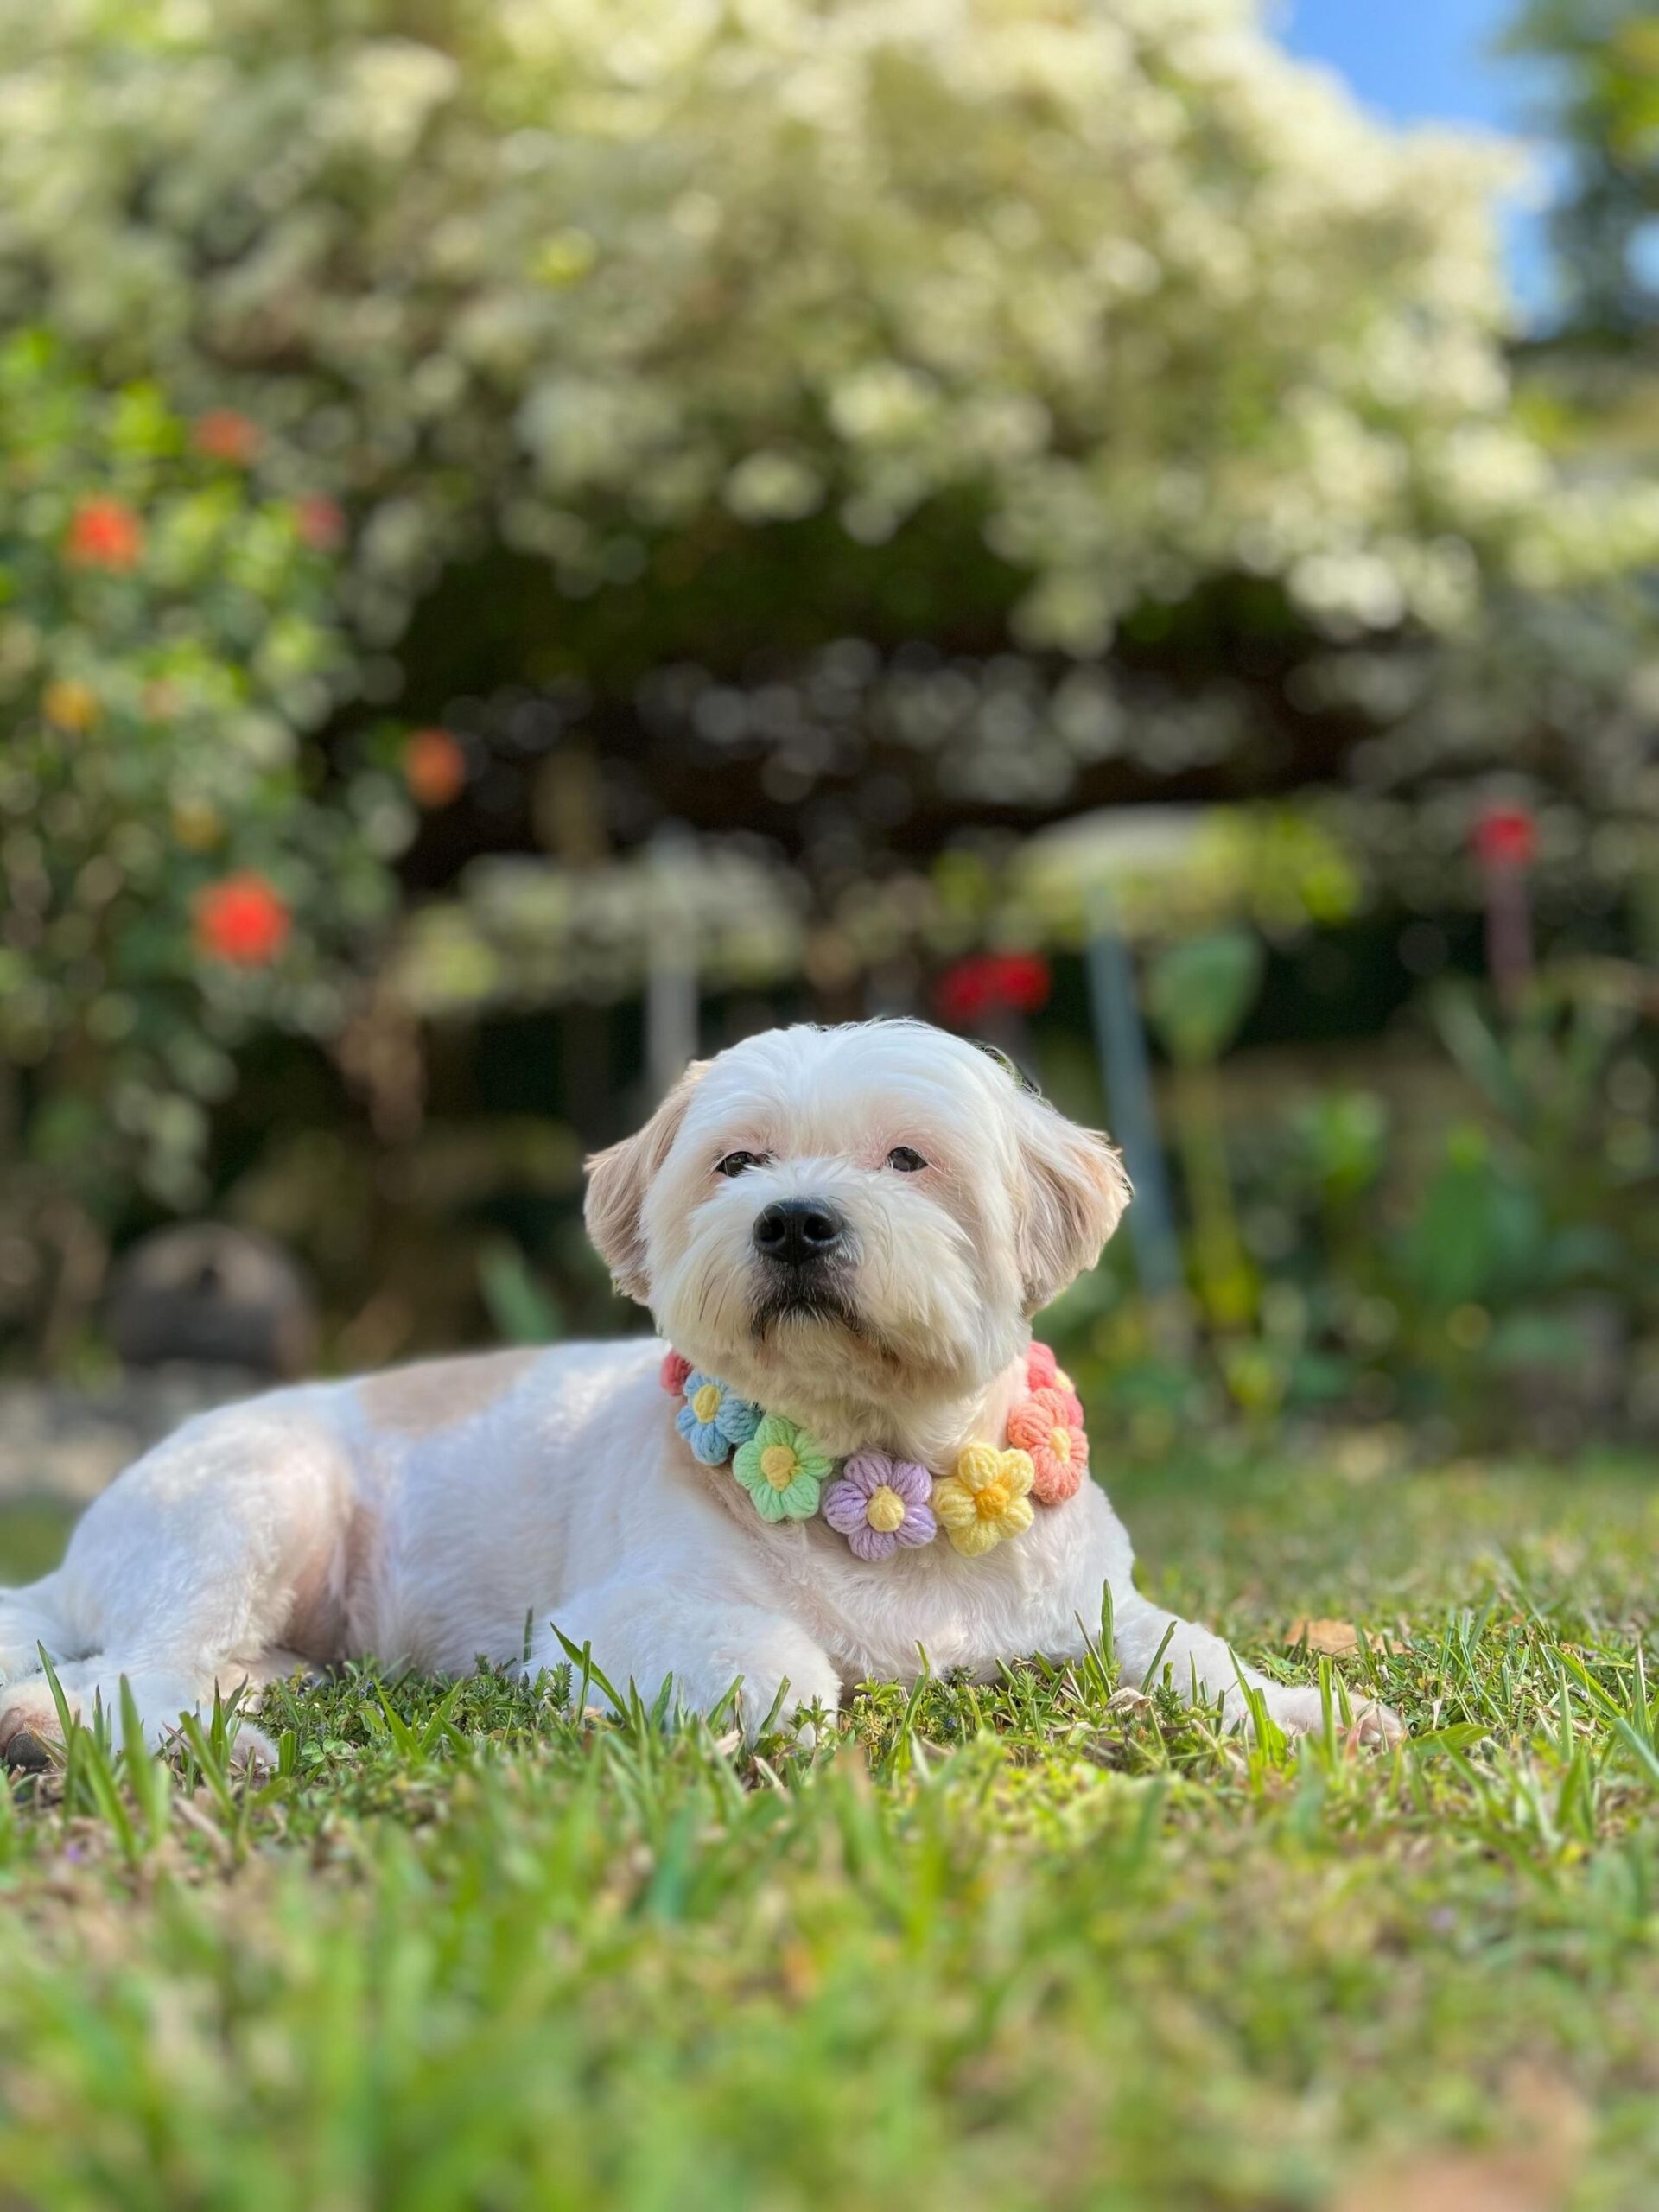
(862, 1213)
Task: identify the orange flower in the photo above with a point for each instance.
(435, 767)
(223, 434)
(242, 920)
(320, 522)
(105, 534)
(1048, 1425)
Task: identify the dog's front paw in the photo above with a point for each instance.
(1299, 1711)
(31, 1731)
(643, 1634)
(1377, 1725)
(28, 1726)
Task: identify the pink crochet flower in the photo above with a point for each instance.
(1043, 1371)
(1049, 1426)
(878, 1504)
(673, 1372)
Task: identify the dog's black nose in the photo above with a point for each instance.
(796, 1230)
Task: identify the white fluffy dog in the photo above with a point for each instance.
(850, 1227)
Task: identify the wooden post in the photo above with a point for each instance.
(1126, 1078)
(671, 996)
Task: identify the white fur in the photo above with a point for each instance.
(457, 1512)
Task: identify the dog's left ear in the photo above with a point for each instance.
(617, 1181)
(1070, 1197)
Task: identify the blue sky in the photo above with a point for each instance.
(1429, 60)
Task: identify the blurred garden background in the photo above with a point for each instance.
(536, 540)
(538, 537)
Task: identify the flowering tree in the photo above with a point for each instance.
(1152, 302)
(171, 875)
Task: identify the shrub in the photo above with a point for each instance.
(176, 876)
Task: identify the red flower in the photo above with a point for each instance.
(320, 522)
(242, 920)
(435, 767)
(1506, 836)
(672, 1373)
(223, 434)
(105, 534)
(992, 982)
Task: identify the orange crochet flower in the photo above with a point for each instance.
(1048, 1425)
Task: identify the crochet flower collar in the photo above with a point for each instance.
(881, 1505)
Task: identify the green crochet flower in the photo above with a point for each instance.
(782, 1469)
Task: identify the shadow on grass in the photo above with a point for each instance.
(32, 1532)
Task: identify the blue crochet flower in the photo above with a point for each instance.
(712, 1419)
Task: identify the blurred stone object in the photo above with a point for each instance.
(210, 1295)
(65, 1444)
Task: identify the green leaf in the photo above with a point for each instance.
(1198, 992)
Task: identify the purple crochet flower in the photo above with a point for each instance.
(878, 1504)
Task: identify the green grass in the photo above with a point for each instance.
(1058, 1944)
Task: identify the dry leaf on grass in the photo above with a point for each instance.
(1531, 2175)
(1457, 2181)
(1336, 1639)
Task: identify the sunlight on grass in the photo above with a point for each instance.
(1056, 1941)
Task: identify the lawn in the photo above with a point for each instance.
(1055, 1945)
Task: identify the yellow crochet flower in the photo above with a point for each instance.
(986, 1499)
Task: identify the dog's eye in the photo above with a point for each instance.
(735, 1162)
(905, 1160)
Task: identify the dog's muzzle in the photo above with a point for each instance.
(805, 1249)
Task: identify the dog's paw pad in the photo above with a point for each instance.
(1376, 1727)
(29, 1753)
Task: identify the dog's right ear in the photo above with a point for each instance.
(617, 1181)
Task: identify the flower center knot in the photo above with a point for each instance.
(992, 1502)
(885, 1511)
(1059, 1443)
(777, 1464)
(706, 1403)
